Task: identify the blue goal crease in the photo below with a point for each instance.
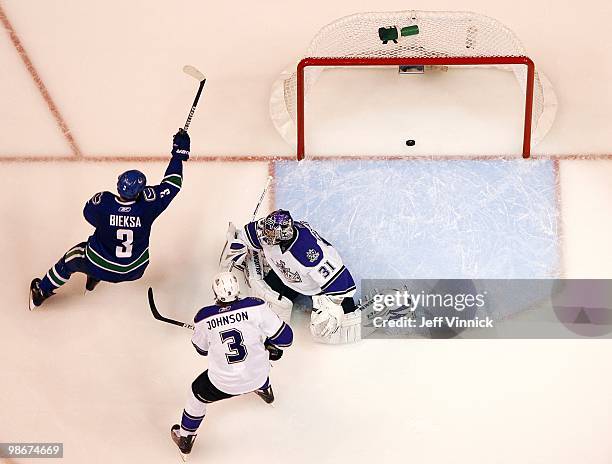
(427, 218)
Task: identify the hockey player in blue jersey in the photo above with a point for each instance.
(118, 250)
(283, 259)
(240, 336)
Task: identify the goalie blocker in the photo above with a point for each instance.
(282, 259)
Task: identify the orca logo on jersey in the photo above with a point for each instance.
(97, 198)
(149, 194)
(289, 275)
(124, 221)
(125, 209)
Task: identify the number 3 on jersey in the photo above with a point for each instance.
(238, 351)
(126, 236)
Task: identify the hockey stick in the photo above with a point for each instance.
(193, 72)
(159, 317)
(152, 306)
(274, 352)
(263, 194)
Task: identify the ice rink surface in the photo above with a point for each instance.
(433, 218)
(98, 373)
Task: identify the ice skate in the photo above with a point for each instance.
(184, 443)
(37, 296)
(266, 394)
(91, 284)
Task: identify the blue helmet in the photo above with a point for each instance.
(130, 184)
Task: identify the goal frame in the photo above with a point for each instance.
(412, 61)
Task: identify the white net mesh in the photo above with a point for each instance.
(441, 34)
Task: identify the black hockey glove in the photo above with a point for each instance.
(275, 353)
(181, 145)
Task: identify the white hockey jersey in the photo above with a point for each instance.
(233, 339)
(309, 265)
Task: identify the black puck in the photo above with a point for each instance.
(410, 143)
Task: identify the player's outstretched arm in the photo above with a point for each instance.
(171, 184)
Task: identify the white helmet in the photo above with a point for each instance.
(225, 287)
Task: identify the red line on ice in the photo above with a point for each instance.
(39, 83)
(15, 158)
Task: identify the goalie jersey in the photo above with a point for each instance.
(118, 250)
(310, 265)
(232, 336)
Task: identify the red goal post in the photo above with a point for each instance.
(415, 61)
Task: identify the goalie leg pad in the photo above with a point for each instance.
(255, 266)
(281, 305)
(254, 271)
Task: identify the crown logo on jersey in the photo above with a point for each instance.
(312, 255)
(291, 276)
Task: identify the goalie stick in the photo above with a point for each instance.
(159, 317)
(263, 194)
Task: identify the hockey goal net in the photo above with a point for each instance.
(412, 38)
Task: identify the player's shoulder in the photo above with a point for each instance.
(306, 248)
(215, 310)
(101, 198)
(206, 312)
(149, 194)
(248, 302)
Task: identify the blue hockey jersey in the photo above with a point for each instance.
(118, 250)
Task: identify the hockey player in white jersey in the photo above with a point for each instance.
(240, 336)
(300, 262)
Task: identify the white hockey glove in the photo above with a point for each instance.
(234, 252)
(327, 314)
(348, 332)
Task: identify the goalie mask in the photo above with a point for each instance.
(277, 227)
